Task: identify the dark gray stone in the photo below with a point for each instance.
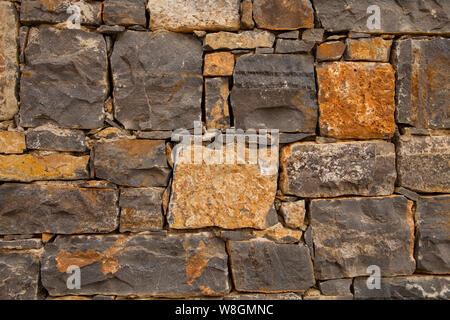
(110, 29)
(289, 35)
(293, 137)
(407, 193)
(337, 287)
(315, 35)
(20, 244)
(293, 46)
(264, 50)
(56, 139)
(124, 12)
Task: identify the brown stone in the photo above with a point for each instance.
(12, 142)
(217, 114)
(369, 49)
(356, 100)
(219, 64)
(241, 40)
(283, 14)
(332, 50)
(247, 14)
(293, 214)
(279, 234)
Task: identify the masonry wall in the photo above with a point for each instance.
(87, 176)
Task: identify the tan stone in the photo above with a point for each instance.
(12, 142)
(219, 64)
(247, 15)
(293, 214)
(369, 49)
(46, 237)
(32, 167)
(242, 40)
(283, 14)
(356, 100)
(328, 51)
(217, 114)
(280, 234)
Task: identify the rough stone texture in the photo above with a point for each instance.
(51, 138)
(9, 33)
(283, 14)
(433, 234)
(289, 35)
(338, 287)
(247, 14)
(64, 81)
(350, 234)
(413, 16)
(401, 288)
(369, 49)
(329, 51)
(241, 40)
(176, 265)
(20, 244)
(293, 46)
(124, 12)
(422, 82)
(217, 114)
(20, 276)
(12, 142)
(57, 208)
(141, 209)
(423, 163)
(34, 166)
(135, 163)
(293, 214)
(275, 92)
(161, 90)
(256, 296)
(279, 234)
(264, 266)
(356, 100)
(219, 64)
(190, 15)
(329, 170)
(315, 35)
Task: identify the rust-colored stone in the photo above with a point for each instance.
(332, 50)
(369, 49)
(279, 234)
(12, 142)
(219, 64)
(217, 114)
(283, 14)
(294, 213)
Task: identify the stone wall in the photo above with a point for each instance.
(87, 178)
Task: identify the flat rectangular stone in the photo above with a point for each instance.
(337, 287)
(241, 40)
(124, 12)
(293, 46)
(369, 49)
(351, 234)
(12, 142)
(217, 110)
(283, 14)
(20, 244)
(144, 265)
(329, 51)
(56, 208)
(311, 170)
(52, 138)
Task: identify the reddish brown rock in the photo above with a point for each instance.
(369, 49)
(283, 14)
(12, 142)
(332, 50)
(219, 64)
(247, 14)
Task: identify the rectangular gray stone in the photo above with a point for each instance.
(49, 138)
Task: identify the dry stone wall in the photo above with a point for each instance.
(92, 94)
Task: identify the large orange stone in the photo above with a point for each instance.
(356, 100)
(219, 64)
(12, 142)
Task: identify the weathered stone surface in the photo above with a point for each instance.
(413, 16)
(356, 100)
(9, 64)
(293, 46)
(219, 64)
(293, 214)
(124, 12)
(423, 163)
(407, 193)
(275, 92)
(190, 15)
(12, 142)
(247, 14)
(279, 234)
(338, 298)
(433, 234)
(332, 50)
(422, 82)
(313, 170)
(158, 84)
(289, 35)
(175, 265)
(401, 288)
(217, 114)
(33, 166)
(256, 296)
(337, 287)
(51, 138)
(141, 209)
(264, 266)
(286, 137)
(19, 274)
(64, 81)
(315, 35)
(56, 208)
(283, 14)
(20, 244)
(350, 234)
(237, 195)
(55, 11)
(369, 49)
(135, 163)
(241, 40)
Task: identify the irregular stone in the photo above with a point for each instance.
(241, 40)
(46, 237)
(279, 234)
(51, 138)
(33, 166)
(423, 163)
(286, 137)
(412, 16)
(219, 64)
(55, 11)
(236, 235)
(401, 288)
(256, 296)
(422, 81)
(313, 170)
(337, 287)
(247, 14)
(217, 114)
(365, 108)
(12, 142)
(407, 193)
(164, 266)
(141, 209)
(134, 163)
(74, 97)
(154, 135)
(21, 244)
(283, 14)
(351, 234)
(433, 234)
(110, 30)
(289, 35)
(9, 64)
(161, 90)
(369, 49)
(124, 12)
(264, 50)
(284, 99)
(293, 46)
(314, 35)
(20, 276)
(56, 208)
(332, 50)
(293, 214)
(264, 266)
(187, 16)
